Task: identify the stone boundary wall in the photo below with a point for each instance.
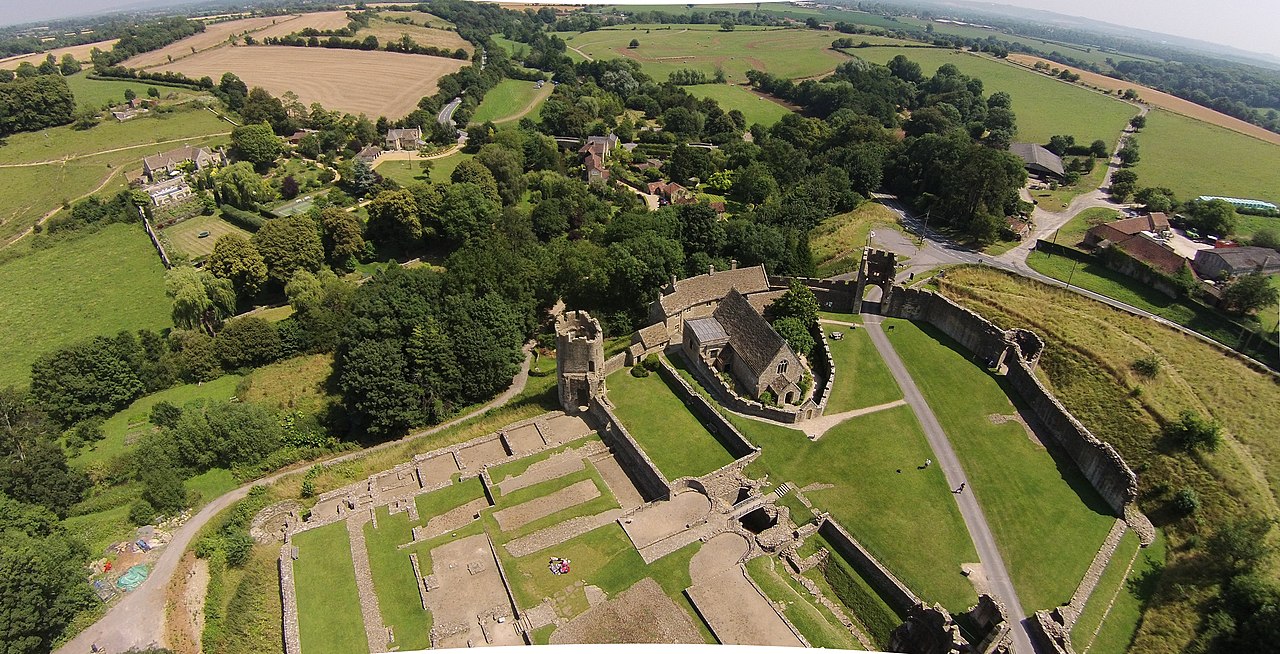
(614, 363)
(832, 294)
(155, 240)
(506, 585)
(289, 600)
(1049, 633)
(823, 391)
(894, 591)
(638, 466)
(716, 423)
(1099, 461)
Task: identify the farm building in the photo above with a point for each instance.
(1241, 203)
(1122, 230)
(163, 164)
(369, 154)
(1229, 262)
(672, 192)
(1039, 161)
(735, 338)
(404, 139)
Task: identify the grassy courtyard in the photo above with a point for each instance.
(329, 619)
(407, 172)
(862, 380)
(667, 430)
(819, 626)
(1047, 519)
(102, 282)
(1044, 106)
(753, 107)
(185, 236)
(878, 495)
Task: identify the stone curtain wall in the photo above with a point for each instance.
(822, 392)
(155, 240)
(615, 363)
(1100, 463)
(894, 591)
(717, 424)
(642, 471)
(289, 599)
(839, 294)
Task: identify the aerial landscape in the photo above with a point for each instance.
(912, 326)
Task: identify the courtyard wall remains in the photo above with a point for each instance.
(639, 467)
(890, 587)
(717, 424)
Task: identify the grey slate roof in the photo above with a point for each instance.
(1243, 256)
(753, 338)
(708, 330)
(713, 286)
(1035, 155)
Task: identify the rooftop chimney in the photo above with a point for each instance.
(733, 264)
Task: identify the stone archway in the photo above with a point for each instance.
(877, 269)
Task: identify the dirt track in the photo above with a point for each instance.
(1159, 99)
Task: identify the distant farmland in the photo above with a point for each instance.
(357, 81)
(80, 52)
(1195, 158)
(214, 36)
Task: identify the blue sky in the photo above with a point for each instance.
(1245, 24)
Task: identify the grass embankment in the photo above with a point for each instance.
(1111, 615)
(819, 626)
(329, 619)
(840, 582)
(862, 379)
(670, 434)
(504, 102)
(1072, 233)
(1088, 363)
(1030, 496)
(753, 107)
(1194, 158)
(1192, 315)
(1044, 106)
(87, 285)
(837, 242)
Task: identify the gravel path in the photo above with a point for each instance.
(135, 621)
(970, 510)
(515, 517)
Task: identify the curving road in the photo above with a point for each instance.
(137, 620)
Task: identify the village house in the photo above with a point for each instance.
(404, 139)
(1038, 161)
(296, 137)
(595, 154)
(672, 193)
(1224, 262)
(736, 339)
(369, 154)
(165, 164)
(1122, 230)
(168, 191)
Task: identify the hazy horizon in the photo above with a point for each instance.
(1241, 24)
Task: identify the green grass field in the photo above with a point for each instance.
(408, 172)
(881, 507)
(1044, 107)
(505, 101)
(139, 134)
(100, 93)
(670, 434)
(185, 236)
(1130, 593)
(393, 580)
(89, 285)
(784, 52)
(27, 194)
(819, 626)
(755, 108)
(329, 619)
(1195, 158)
(1030, 498)
(133, 422)
(862, 379)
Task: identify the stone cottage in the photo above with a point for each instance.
(735, 338)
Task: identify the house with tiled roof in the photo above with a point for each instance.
(404, 139)
(696, 297)
(737, 339)
(1122, 230)
(595, 155)
(164, 164)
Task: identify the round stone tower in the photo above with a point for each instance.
(579, 360)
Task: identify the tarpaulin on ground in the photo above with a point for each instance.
(132, 578)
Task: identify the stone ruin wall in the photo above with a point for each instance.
(839, 293)
(614, 363)
(716, 423)
(289, 600)
(638, 466)
(1099, 461)
(889, 586)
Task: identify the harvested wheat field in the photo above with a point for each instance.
(321, 20)
(80, 52)
(419, 17)
(357, 81)
(1158, 99)
(213, 36)
(387, 31)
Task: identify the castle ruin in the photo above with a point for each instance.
(579, 360)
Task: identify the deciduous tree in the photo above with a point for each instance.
(288, 245)
(236, 259)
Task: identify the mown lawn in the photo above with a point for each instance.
(393, 580)
(862, 380)
(408, 172)
(753, 107)
(1073, 232)
(508, 98)
(185, 236)
(1195, 158)
(1044, 106)
(1030, 496)
(329, 620)
(878, 495)
(819, 626)
(96, 284)
(665, 428)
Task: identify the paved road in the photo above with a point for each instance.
(992, 563)
(138, 619)
(445, 117)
